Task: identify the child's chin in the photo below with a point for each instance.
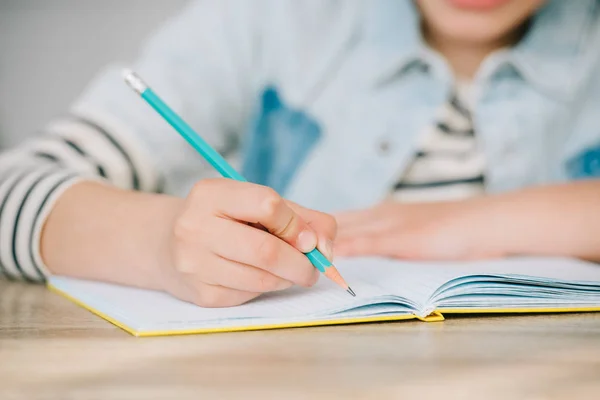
(478, 5)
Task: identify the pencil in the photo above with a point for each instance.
(218, 162)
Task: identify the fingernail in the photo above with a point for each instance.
(307, 241)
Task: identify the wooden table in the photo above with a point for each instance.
(52, 349)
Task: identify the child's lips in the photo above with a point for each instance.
(479, 5)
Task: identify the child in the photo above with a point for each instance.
(455, 128)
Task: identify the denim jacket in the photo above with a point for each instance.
(322, 99)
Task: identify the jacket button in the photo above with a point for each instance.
(384, 147)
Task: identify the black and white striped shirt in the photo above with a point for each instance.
(35, 174)
(449, 164)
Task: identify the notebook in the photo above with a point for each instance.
(386, 290)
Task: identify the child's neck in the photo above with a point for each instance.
(465, 57)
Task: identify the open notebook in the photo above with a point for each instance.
(386, 290)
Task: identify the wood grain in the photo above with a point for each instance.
(52, 349)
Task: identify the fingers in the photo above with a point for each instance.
(431, 231)
(406, 246)
(259, 204)
(212, 296)
(353, 217)
(373, 226)
(263, 251)
(369, 221)
(219, 256)
(234, 275)
(323, 224)
(362, 216)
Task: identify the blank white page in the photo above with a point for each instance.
(383, 287)
(415, 281)
(145, 310)
(545, 269)
(522, 283)
(418, 281)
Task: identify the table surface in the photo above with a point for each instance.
(52, 349)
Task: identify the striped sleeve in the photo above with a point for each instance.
(34, 175)
(113, 136)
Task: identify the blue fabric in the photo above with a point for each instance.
(278, 141)
(585, 165)
(359, 79)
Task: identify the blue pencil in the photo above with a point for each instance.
(218, 162)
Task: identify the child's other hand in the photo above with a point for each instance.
(431, 231)
(218, 256)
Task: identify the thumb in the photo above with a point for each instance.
(324, 225)
(282, 221)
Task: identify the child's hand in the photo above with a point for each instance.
(221, 257)
(434, 231)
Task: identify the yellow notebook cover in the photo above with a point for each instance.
(431, 318)
(386, 290)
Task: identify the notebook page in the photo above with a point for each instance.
(545, 269)
(144, 310)
(414, 281)
(522, 283)
(517, 281)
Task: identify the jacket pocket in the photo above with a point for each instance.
(278, 141)
(586, 164)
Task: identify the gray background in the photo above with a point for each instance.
(49, 49)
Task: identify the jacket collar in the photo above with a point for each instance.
(553, 54)
(548, 57)
(392, 36)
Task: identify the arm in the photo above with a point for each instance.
(86, 191)
(560, 220)
(97, 231)
(109, 135)
(183, 246)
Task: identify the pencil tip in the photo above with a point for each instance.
(351, 291)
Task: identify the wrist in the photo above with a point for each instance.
(151, 242)
(161, 216)
(494, 237)
(523, 222)
(558, 220)
(99, 232)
